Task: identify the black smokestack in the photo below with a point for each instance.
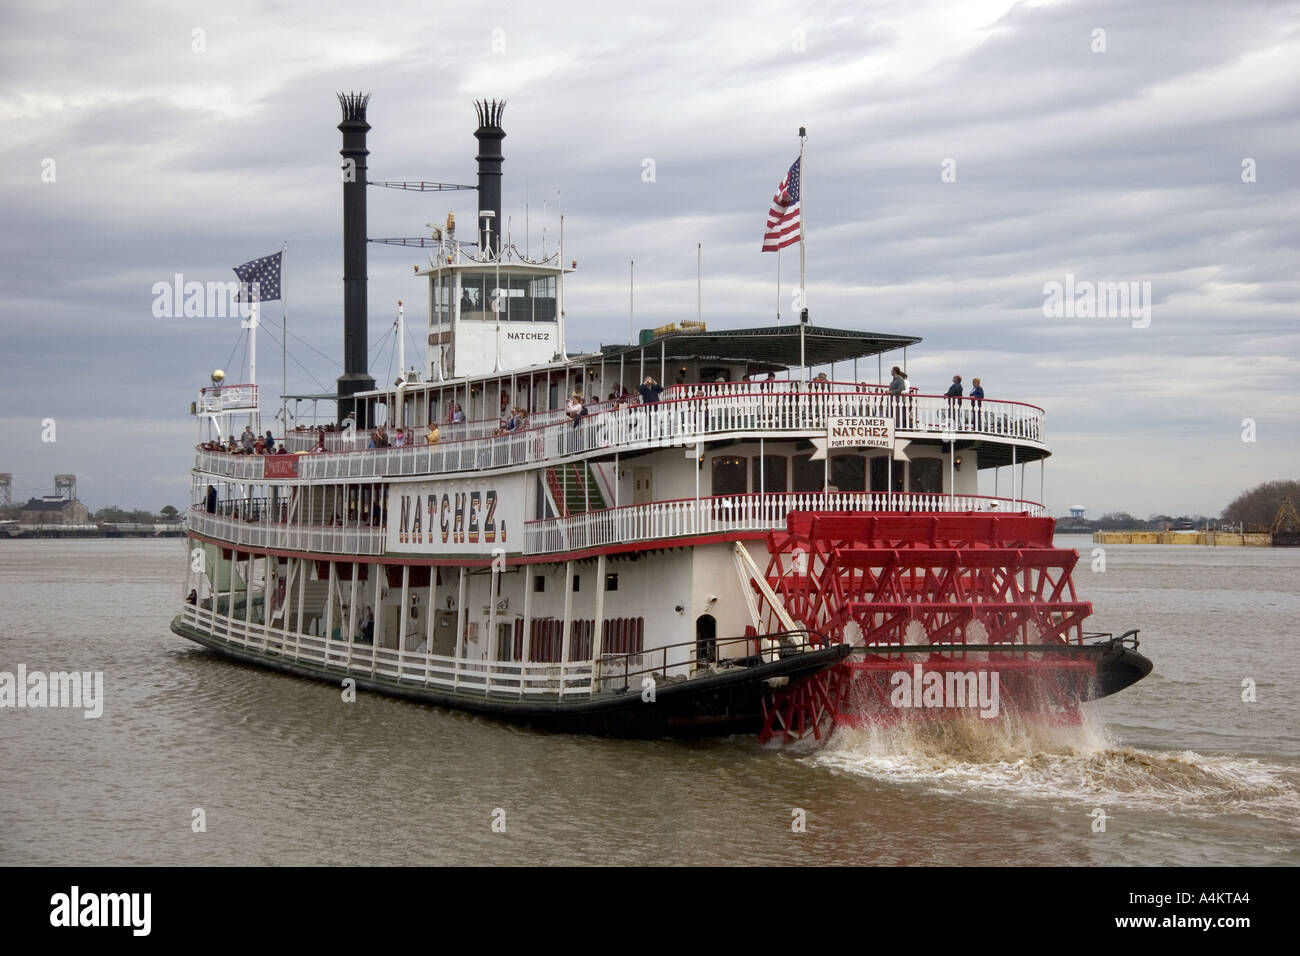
(489, 135)
(355, 377)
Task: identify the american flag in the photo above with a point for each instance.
(265, 272)
(783, 218)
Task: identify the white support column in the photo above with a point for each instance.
(284, 601)
(597, 643)
(428, 624)
(329, 603)
(189, 570)
(1013, 477)
(379, 572)
(402, 614)
(491, 652)
(248, 598)
(460, 631)
(304, 571)
(268, 595)
(568, 621)
(528, 625)
(351, 635)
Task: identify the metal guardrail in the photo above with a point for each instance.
(681, 421)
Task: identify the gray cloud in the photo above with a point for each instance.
(1115, 166)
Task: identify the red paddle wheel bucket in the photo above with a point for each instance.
(949, 615)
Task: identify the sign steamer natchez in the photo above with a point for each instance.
(476, 516)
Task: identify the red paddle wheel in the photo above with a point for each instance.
(949, 614)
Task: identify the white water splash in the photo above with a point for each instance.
(1080, 763)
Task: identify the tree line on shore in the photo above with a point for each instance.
(111, 515)
(1252, 510)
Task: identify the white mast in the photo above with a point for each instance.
(564, 352)
(401, 341)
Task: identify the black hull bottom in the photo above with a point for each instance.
(713, 705)
(1122, 667)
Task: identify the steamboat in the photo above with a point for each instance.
(691, 534)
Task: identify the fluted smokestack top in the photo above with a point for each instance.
(489, 135)
(489, 114)
(354, 106)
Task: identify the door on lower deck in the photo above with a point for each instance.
(642, 491)
(706, 640)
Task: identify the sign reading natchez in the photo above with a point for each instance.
(469, 516)
(859, 432)
(280, 466)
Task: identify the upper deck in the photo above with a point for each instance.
(685, 415)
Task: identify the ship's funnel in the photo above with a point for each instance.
(355, 377)
(489, 135)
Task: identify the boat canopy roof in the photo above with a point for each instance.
(775, 347)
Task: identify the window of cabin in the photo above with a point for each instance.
(880, 474)
(541, 295)
(729, 475)
(539, 583)
(808, 474)
(926, 476)
(849, 472)
(442, 293)
(769, 474)
(473, 296)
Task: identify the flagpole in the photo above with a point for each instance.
(284, 348)
(803, 284)
(254, 414)
(778, 287)
(803, 215)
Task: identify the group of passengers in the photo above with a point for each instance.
(248, 443)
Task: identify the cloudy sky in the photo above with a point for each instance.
(960, 156)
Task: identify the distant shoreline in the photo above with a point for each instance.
(30, 531)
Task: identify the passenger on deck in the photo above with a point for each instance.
(897, 389)
(399, 440)
(193, 597)
(248, 439)
(649, 390)
(459, 416)
(976, 399)
(320, 442)
(954, 398)
(577, 409)
(433, 436)
(270, 443)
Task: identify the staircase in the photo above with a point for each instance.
(574, 489)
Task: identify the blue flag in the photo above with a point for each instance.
(266, 273)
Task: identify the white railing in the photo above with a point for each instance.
(221, 398)
(717, 409)
(315, 538)
(726, 513)
(240, 467)
(416, 668)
